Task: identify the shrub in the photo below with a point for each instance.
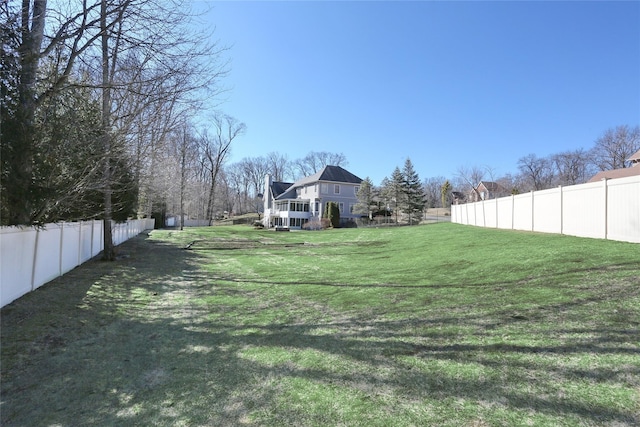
(315, 224)
(332, 212)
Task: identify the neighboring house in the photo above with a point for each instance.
(620, 173)
(458, 197)
(486, 190)
(291, 205)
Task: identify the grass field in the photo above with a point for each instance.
(438, 325)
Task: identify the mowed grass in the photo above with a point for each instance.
(439, 325)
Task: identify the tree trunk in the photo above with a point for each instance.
(183, 167)
(109, 250)
(18, 184)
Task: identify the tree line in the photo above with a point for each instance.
(402, 197)
(97, 106)
(611, 150)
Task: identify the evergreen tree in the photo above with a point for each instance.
(392, 191)
(413, 196)
(444, 192)
(332, 213)
(365, 195)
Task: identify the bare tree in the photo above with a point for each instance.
(279, 166)
(470, 177)
(316, 160)
(255, 169)
(572, 167)
(432, 191)
(537, 171)
(215, 150)
(186, 151)
(614, 147)
(144, 59)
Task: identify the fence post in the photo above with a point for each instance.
(513, 211)
(35, 260)
(93, 222)
(80, 243)
(533, 213)
(61, 248)
(606, 208)
(561, 209)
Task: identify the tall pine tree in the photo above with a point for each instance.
(366, 195)
(413, 194)
(393, 192)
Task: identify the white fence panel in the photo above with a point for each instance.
(584, 208)
(522, 212)
(98, 239)
(623, 219)
(46, 265)
(16, 262)
(547, 210)
(505, 212)
(30, 258)
(70, 246)
(118, 233)
(609, 209)
(479, 213)
(86, 241)
(471, 214)
(491, 213)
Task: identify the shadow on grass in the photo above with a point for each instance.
(152, 340)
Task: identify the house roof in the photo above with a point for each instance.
(615, 173)
(329, 173)
(620, 173)
(490, 185)
(277, 187)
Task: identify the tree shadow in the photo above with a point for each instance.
(153, 339)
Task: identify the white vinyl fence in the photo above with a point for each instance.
(609, 209)
(31, 257)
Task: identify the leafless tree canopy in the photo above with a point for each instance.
(614, 147)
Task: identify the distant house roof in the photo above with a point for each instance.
(616, 173)
(620, 173)
(490, 185)
(330, 173)
(277, 187)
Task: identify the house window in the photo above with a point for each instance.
(336, 189)
(351, 207)
(341, 207)
(356, 189)
(317, 207)
(324, 188)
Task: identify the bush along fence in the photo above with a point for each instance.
(608, 209)
(31, 257)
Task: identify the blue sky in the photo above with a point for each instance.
(447, 84)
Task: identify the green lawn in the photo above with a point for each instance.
(438, 325)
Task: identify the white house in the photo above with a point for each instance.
(291, 205)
